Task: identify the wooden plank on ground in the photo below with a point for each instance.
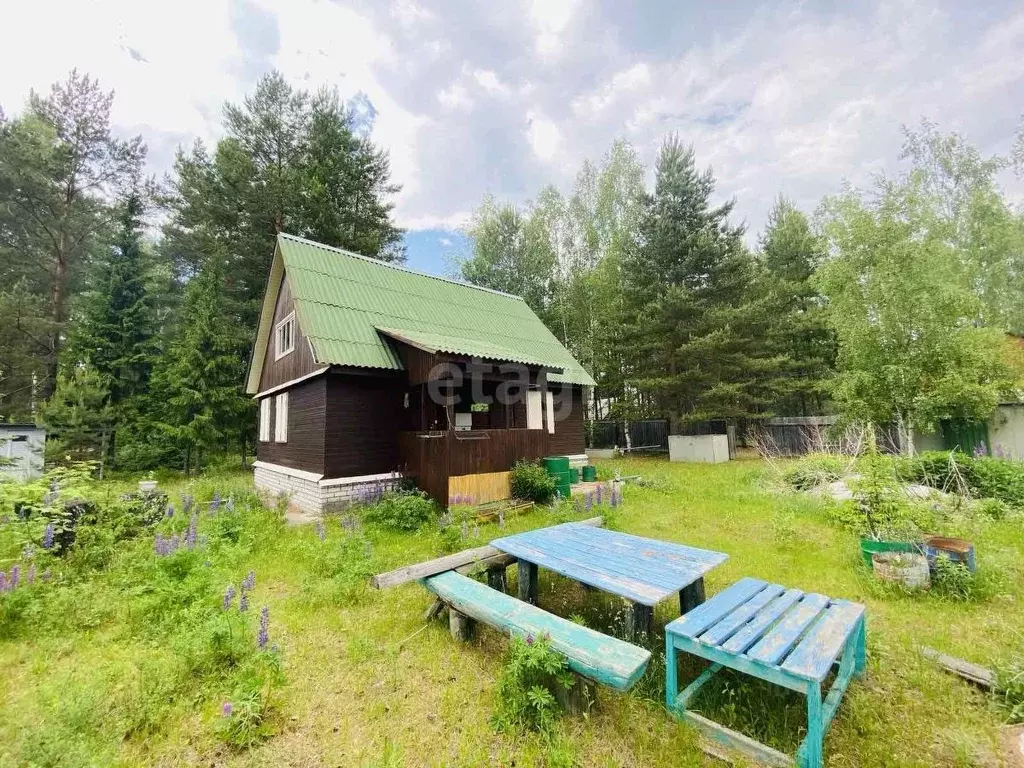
(973, 673)
(447, 563)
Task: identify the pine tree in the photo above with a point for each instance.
(695, 333)
(79, 417)
(198, 383)
(798, 326)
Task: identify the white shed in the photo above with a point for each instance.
(21, 451)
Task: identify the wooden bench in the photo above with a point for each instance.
(590, 654)
(780, 635)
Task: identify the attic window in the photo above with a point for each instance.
(284, 337)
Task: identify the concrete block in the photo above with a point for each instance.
(707, 449)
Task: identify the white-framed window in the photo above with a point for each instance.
(534, 410)
(281, 418)
(284, 337)
(549, 401)
(265, 420)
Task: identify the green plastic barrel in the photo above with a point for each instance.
(574, 475)
(558, 468)
(589, 473)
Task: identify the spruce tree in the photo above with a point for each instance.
(202, 406)
(798, 327)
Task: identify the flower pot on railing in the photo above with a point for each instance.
(869, 547)
(907, 569)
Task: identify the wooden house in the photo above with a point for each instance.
(366, 372)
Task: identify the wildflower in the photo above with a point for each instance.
(249, 582)
(229, 596)
(980, 450)
(225, 709)
(48, 536)
(243, 603)
(186, 503)
(215, 504)
(529, 639)
(190, 535)
(321, 531)
(31, 577)
(599, 495)
(263, 636)
(15, 574)
(614, 499)
(160, 545)
(170, 511)
(589, 501)
(3, 581)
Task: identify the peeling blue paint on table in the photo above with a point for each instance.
(644, 571)
(784, 636)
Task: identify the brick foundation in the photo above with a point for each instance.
(313, 493)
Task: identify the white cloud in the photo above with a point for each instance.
(543, 134)
(550, 18)
(445, 241)
(488, 80)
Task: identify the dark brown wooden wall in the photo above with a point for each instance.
(364, 417)
(294, 365)
(306, 424)
(569, 437)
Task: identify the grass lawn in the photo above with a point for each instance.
(367, 683)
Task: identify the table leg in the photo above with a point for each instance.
(691, 596)
(528, 582)
(496, 578)
(640, 621)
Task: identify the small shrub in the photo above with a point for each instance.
(246, 719)
(526, 691)
(400, 511)
(528, 481)
(814, 470)
(993, 509)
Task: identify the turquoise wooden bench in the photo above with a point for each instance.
(590, 654)
(780, 635)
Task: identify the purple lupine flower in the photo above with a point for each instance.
(229, 596)
(529, 639)
(48, 536)
(980, 450)
(190, 535)
(589, 501)
(599, 495)
(321, 531)
(31, 577)
(243, 603)
(169, 513)
(249, 581)
(215, 503)
(159, 545)
(3, 581)
(263, 636)
(15, 575)
(615, 498)
(225, 709)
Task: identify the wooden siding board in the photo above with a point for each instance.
(569, 437)
(305, 447)
(364, 415)
(295, 364)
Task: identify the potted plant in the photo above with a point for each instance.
(883, 506)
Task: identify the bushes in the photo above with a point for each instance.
(983, 476)
(400, 511)
(529, 482)
(814, 470)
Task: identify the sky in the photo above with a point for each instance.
(473, 98)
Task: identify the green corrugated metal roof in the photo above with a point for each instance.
(342, 299)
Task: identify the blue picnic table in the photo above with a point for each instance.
(644, 571)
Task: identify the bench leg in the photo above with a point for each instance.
(528, 582)
(671, 674)
(809, 755)
(860, 652)
(640, 620)
(691, 596)
(578, 699)
(496, 579)
(460, 625)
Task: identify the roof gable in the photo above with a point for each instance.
(346, 303)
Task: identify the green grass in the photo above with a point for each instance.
(365, 686)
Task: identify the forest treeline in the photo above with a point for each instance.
(128, 305)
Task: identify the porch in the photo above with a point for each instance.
(433, 457)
